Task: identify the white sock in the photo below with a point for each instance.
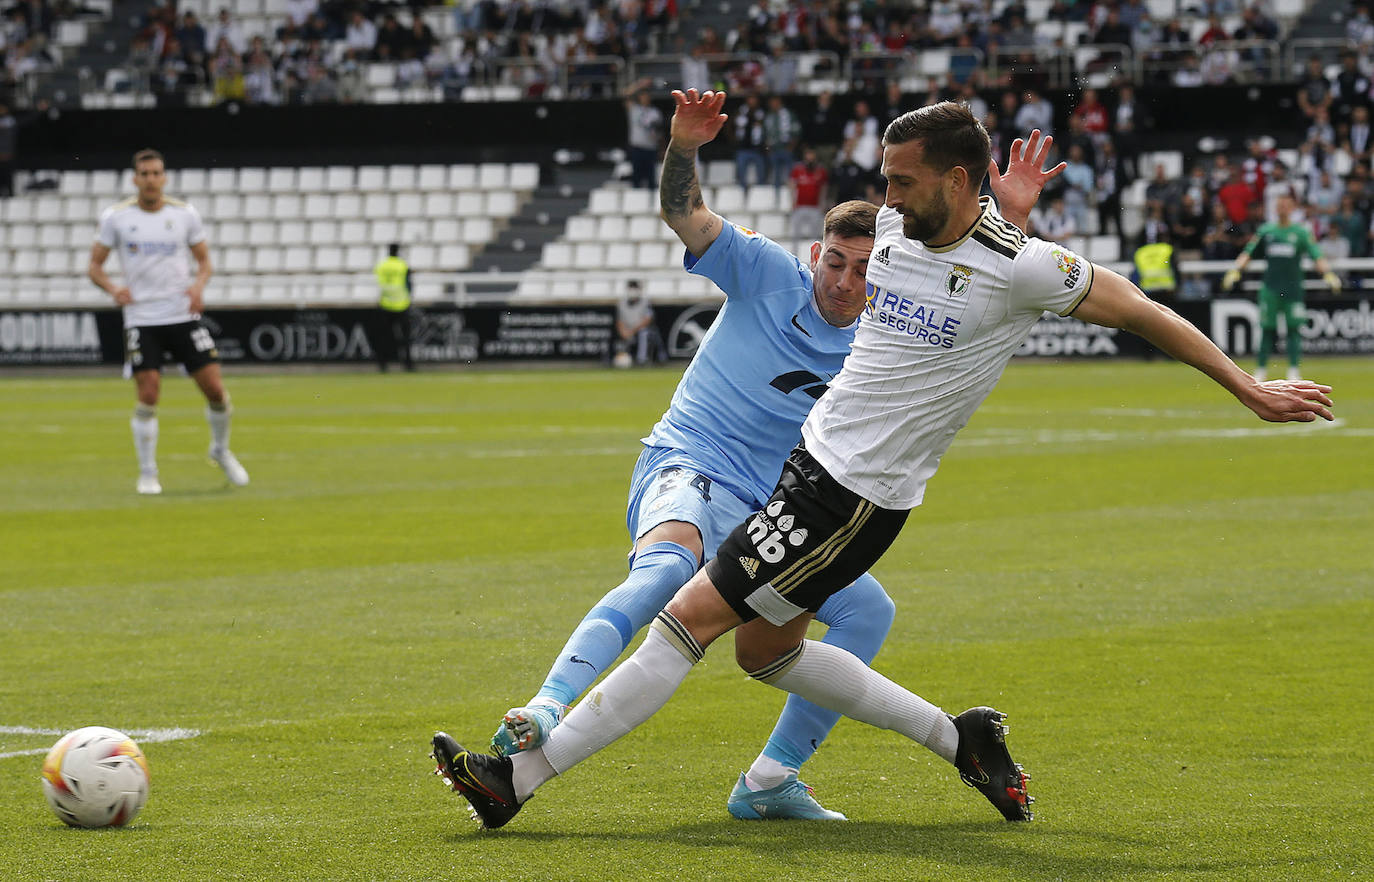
(632, 693)
(833, 678)
(217, 415)
(767, 773)
(529, 769)
(144, 425)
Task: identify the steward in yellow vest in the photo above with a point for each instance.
(1154, 265)
(393, 280)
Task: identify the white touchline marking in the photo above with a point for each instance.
(144, 736)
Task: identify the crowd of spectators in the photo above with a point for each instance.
(318, 53)
(1209, 212)
(315, 53)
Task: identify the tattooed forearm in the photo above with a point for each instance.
(679, 191)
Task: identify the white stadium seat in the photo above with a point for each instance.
(492, 176)
(262, 234)
(524, 176)
(291, 232)
(401, 177)
(348, 205)
(618, 255)
(287, 206)
(408, 205)
(322, 232)
(373, 177)
(252, 180)
(502, 203)
(328, 259)
(581, 229)
(469, 205)
(384, 231)
(640, 201)
(445, 229)
(462, 177)
(257, 206)
(438, 205)
(478, 230)
(612, 228)
(556, 256)
(281, 179)
(339, 178)
(223, 180)
(433, 177)
(455, 256)
(311, 179)
(604, 201)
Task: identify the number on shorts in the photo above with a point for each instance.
(673, 476)
(131, 344)
(200, 338)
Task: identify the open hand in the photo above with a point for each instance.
(697, 119)
(1286, 401)
(1018, 189)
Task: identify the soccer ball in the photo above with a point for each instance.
(95, 777)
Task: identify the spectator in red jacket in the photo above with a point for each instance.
(1237, 196)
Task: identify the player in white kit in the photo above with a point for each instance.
(162, 302)
(953, 290)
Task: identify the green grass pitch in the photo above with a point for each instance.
(1171, 599)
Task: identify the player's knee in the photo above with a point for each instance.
(765, 662)
(679, 533)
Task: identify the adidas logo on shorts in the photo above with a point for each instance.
(751, 566)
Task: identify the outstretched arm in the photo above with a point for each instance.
(696, 121)
(1114, 302)
(1018, 190)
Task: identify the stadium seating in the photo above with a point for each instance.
(288, 235)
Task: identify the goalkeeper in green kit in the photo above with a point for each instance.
(1283, 246)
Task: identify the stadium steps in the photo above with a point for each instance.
(542, 219)
(107, 47)
(1324, 19)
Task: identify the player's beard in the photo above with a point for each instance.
(932, 217)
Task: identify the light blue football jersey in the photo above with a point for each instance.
(765, 361)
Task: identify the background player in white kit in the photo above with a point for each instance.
(953, 290)
(162, 303)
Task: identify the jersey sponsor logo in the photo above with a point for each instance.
(770, 528)
(1070, 265)
(796, 324)
(804, 380)
(745, 230)
(958, 280)
(750, 565)
(924, 323)
(884, 256)
(151, 249)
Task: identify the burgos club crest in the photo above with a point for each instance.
(958, 280)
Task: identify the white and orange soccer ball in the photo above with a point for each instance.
(95, 777)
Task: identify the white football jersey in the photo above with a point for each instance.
(153, 249)
(939, 328)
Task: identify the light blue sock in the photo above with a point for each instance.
(656, 574)
(859, 618)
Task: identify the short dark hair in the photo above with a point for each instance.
(950, 135)
(853, 219)
(146, 155)
(394, 249)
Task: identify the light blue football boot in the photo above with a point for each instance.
(525, 728)
(791, 799)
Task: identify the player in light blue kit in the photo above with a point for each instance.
(714, 457)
